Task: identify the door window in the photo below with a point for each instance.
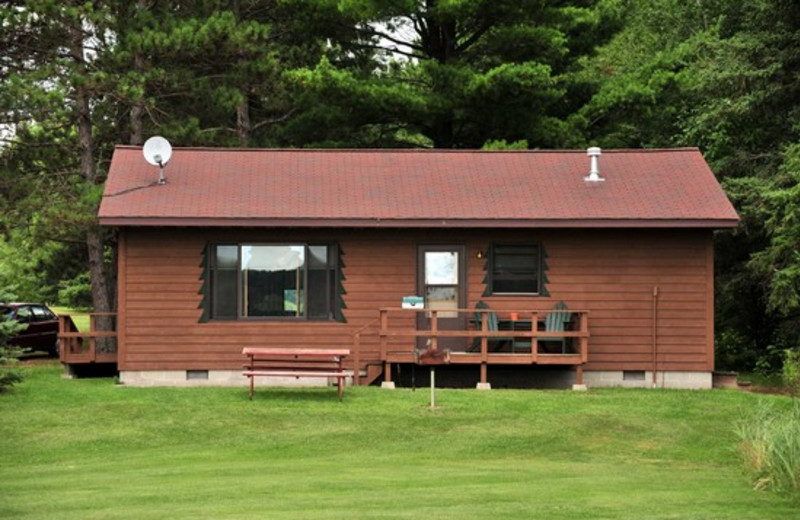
(441, 282)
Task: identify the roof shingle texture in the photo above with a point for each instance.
(269, 187)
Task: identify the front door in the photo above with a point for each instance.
(441, 281)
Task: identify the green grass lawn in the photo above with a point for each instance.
(89, 449)
(80, 317)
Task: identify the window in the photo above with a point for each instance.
(24, 315)
(441, 282)
(273, 281)
(633, 375)
(515, 269)
(42, 314)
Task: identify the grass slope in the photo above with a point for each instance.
(79, 317)
(89, 449)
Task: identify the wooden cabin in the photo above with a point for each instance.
(335, 248)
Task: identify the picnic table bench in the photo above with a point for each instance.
(297, 363)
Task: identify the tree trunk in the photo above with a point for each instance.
(94, 235)
(137, 110)
(243, 126)
(83, 114)
(100, 293)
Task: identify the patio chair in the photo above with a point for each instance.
(492, 325)
(556, 321)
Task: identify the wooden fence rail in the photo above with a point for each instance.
(98, 345)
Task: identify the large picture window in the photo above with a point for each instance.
(515, 269)
(273, 281)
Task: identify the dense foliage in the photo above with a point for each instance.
(78, 78)
(9, 355)
(724, 76)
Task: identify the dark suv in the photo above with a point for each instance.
(42, 326)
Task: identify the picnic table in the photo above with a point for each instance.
(297, 363)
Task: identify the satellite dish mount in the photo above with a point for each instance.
(157, 151)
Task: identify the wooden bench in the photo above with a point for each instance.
(297, 363)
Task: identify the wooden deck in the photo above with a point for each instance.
(399, 340)
(98, 345)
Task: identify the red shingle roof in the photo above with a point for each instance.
(430, 188)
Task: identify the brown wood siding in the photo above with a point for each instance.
(610, 273)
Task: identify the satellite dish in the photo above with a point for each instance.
(157, 151)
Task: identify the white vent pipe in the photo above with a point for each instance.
(594, 169)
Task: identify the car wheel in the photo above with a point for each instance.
(54, 349)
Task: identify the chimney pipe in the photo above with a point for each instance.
(594, 170)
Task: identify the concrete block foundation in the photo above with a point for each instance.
(644, 379)
(214, 378)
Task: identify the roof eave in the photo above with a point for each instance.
(416, 223)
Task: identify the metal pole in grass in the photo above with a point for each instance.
(433, 387)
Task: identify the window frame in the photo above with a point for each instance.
(331, 297)
(493, 251)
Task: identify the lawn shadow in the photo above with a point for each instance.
(305, 395)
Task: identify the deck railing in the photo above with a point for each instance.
(580, 330)
(577, 334)
(98, 345)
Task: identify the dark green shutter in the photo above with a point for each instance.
(543, 280)
(205, 277)
(340, 290)
(487, 267)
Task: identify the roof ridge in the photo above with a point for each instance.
(416, 150)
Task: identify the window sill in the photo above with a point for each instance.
(528, 295)
(275, 319)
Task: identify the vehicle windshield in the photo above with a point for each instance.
(6, 312)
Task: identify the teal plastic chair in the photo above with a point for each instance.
(492, 325)
(556, 321)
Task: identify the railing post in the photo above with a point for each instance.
(434, 330)
(584, 339)
(534, 336)
(484, 348)
(484, 338)
(62, 342)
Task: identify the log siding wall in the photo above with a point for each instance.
(611, 273)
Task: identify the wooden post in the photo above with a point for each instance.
(579, 375)
(62, 342)
(484, 348)
(387, 367)
(484, 338)
(584, 339)
(434, 330)
(357, 359)
(92, 349)
(340, 380)
(250, 368)
(534, 336)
